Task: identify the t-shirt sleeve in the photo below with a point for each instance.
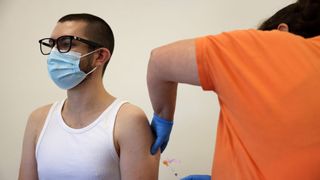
(205, 68)
(228, 59)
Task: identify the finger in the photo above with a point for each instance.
(155, 147)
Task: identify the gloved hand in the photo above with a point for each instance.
(161, 129)
(197, 177)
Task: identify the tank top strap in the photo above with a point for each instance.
(53, 109)
(110, 117)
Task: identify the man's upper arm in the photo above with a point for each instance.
(28, 165)
(134, 137)
(176, 62)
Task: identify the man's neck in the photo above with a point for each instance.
(86, 97)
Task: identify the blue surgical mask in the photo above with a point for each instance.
(64, 68)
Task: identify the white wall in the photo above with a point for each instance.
(139, 26)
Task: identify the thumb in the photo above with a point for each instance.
(156, 146)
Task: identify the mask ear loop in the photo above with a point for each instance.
(87, 55)
(91, 71)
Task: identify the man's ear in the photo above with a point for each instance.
(283, 27)
(103, 56)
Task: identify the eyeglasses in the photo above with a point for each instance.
(64, 44)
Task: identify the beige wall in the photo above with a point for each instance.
(139, 26)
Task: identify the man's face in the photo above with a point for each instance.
(75, 28)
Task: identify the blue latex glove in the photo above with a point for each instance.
(161, 129)
(197, 177)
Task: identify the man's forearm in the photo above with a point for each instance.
(163, 97)
(162, 92)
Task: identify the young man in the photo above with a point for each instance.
(90, 134)
(268, 87)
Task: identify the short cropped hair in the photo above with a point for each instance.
(97, 30)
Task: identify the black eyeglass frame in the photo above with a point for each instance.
(88, 42)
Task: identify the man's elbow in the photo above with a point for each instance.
(154, 66)
(155, 57)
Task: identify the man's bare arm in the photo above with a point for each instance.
(169, 65)
(134, 137)
(28, 165)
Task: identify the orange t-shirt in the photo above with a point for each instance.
(268, 86)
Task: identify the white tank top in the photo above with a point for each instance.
(64, 153)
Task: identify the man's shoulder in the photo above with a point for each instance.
(40, 112)
(37, 118)
(130, 112)
(131, 123)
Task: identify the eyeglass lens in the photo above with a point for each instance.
(46, 45)
(64, 44)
